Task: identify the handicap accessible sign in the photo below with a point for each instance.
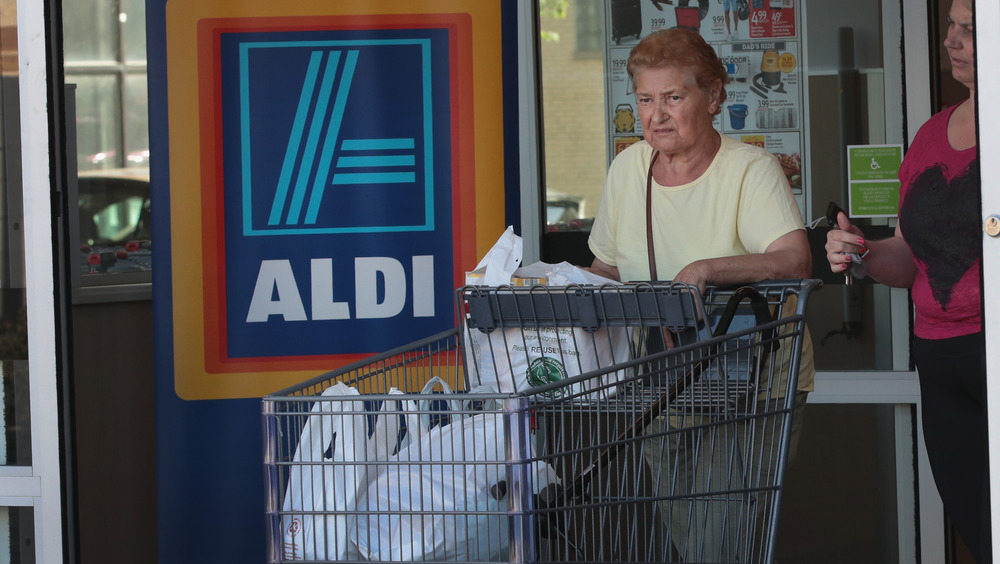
(873, 179)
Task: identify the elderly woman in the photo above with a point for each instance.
(714, 210)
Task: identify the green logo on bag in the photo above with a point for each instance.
(545, 370)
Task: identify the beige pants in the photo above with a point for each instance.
(716, 481)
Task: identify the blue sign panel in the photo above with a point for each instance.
(337, 174)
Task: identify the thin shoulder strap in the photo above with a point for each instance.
(649, 217)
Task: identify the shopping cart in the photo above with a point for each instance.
(619, 423)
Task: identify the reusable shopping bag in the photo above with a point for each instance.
(517, 359)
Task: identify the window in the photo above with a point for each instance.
(573, 107)
(105, 66)
(589, 16)
(105, 56)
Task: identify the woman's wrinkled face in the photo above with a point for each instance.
(675, 112)
(959, 43)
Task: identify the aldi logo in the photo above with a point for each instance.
(362, 129)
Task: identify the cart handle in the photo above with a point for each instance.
(761, 310)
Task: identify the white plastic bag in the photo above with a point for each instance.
(453, 413)
(335, 436)
(434, 512)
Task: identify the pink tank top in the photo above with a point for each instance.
(939, 217)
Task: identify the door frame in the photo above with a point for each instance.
(988, 89)
(39, 485)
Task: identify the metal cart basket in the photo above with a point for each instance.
(618, 423)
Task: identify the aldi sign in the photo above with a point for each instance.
(338, 189)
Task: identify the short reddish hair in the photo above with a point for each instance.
(682, 48)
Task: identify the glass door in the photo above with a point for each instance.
(843, 85)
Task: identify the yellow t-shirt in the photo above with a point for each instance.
(741, 204)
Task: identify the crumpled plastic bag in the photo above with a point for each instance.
(502, 266)
(500, 262)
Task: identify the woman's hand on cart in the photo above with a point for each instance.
(695, 274)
